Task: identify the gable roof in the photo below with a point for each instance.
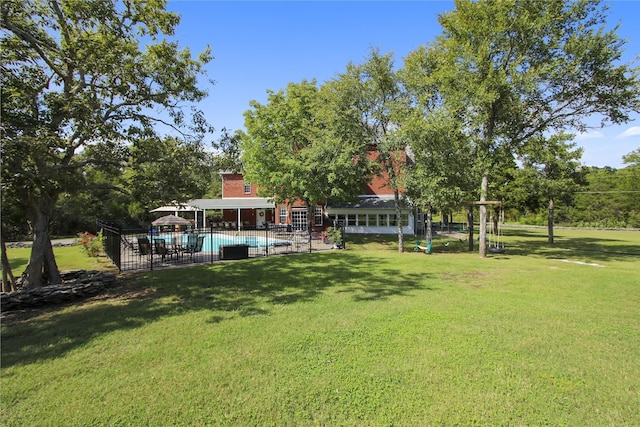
(368, 202)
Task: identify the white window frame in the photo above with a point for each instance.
(283, 214)
(317, 215)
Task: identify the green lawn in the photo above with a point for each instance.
(541, 335)
(67, 258)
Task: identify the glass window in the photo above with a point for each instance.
(351, 219)
(382, 220)
(247, 187)
(372, 220)
(317, 217)
(362, 220)
(283, 215)
(299, 219)
(405, 220)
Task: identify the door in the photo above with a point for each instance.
(299, 219)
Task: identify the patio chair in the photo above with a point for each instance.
(161, 248)
(192, 241)
(193, 249)
(144, 246)
(127, 244)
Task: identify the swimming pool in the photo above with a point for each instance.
(212, 242)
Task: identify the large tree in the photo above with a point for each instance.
(168, 169)
(298, 146)
(88, 77)
(377, 103)
(550, 173)
(513, 70)
(444, 171)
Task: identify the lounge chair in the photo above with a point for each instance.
(161, 248)
(192, 249)
(127, 244)
(192, 240)
(144, 246)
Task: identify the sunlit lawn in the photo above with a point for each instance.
(67, 258)
(541, 335)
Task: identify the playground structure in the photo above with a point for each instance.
(464, 232)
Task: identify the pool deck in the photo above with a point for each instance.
(284, 243)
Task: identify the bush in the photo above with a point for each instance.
(335, 236)
(91, 243)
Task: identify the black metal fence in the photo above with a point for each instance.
(164, 246)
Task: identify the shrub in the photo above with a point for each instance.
(335, 236)
(91, 243)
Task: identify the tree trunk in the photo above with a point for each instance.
(42, 265)
(470, 226)
(8, 280)
(550, 221)
(396, 196)
(484, 189)
(310, 214)
(428, 234)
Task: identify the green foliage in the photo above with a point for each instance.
(82, 81)
(442, 173)
(227, 155)
(294, 152)
(550, 171)
(91, 244)
(335, 236)
(167, 170)
(511, 71)
(611, 197)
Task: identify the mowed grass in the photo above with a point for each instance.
(67, 258)
(540, 335)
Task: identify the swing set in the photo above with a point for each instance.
(496, 244)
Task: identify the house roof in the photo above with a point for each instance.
(233, 203)
(368, 202)
(175, 208)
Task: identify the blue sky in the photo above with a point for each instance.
(264, 45)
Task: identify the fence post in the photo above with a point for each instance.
(118, 247)
(211, 242)
(151, 244)
(111, 235)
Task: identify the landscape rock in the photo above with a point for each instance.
(75, 285)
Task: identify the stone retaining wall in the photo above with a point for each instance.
(76, 285)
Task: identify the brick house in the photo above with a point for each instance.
(372, 212)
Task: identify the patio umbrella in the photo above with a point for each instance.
(171, 220)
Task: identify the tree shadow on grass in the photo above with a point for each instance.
(230, 289)
(600, 249)
(525, 242)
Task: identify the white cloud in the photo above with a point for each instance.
(589, 135)
(632, 131)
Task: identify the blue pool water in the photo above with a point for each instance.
(214, 241)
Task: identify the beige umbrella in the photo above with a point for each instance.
(171, 220)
